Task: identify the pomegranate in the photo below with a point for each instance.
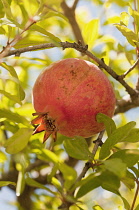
(68, 95)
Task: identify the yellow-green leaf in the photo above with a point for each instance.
(5, 183)
(124, 18)
(131, 37)
(43, 31)
(90, 32)
(18, 141)
(3, 157)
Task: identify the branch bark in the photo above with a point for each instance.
(69, 12)
(83, 49)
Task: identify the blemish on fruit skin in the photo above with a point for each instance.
(73, 73)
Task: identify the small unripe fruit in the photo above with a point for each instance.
(68, 95)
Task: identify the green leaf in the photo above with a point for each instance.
(5, 183)
(11, 97)
(135, 170)
(118, 135)
(108, 122)
(78, 148)
(135, 15)
(137, 207)
(36, 184)
(129, 180)
(97, 207)
(18, 141)
(131, 37)
(116, 166)
(7, 9)
(3, 157)
(89, 185)
(126, 204)
(8, 12)
(133, 137)
(106, 180)
(2, 30)
(48, 155)
(129, 156)
(11, 70)
(14, 117)
(110, 182)
(91, 31)
(43, 31)
(124, 18)
(69, 175)
(112, 20)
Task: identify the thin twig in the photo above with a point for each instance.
(88, 165)
(98, 143)
(136, 195)
(131, 68)
(10, 44)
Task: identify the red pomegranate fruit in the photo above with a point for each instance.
(68, 95)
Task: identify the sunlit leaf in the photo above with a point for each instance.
(11, 97)
(129, 156)
(7, 9)
(3, 157)
(31, 182)
(135, 15)
(18, 141)
(112, 20)
(116, 166)
(31, 40)
(5, 183)
(69, 175)
(108, 122)
(77, 148)
(133, 137)
(124, 18)
(43, 31)
(90, 32)
(2, 30)
(8, 12)
(137, 207)
(97, 207)
(118, 135)
(11, 70)
(14, 117)
(131, 37)
(47, 155)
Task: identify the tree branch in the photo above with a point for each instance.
(131, 68)
(75, 4)
(98, 142)
(136, 195)
(10, 44)
(83, 49)
(69, 12)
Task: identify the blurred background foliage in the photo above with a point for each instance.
(46, 176)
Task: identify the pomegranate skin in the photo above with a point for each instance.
(72, 92)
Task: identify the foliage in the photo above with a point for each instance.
(71, 173)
